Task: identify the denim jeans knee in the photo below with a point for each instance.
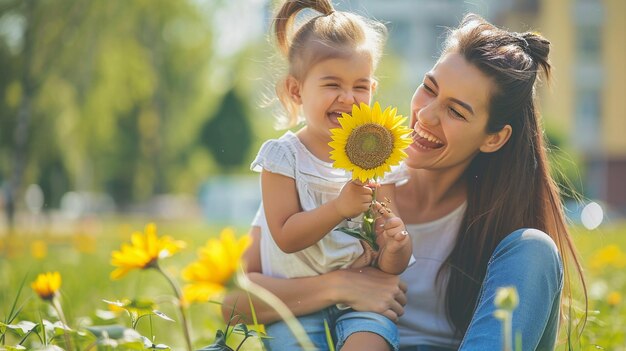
(527, 259)
(354, 321)
(281, 338)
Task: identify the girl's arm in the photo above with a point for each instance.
(294, 229)
(396, 249)
(366, 289)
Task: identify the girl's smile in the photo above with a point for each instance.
(329, 89)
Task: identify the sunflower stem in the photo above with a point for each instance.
(368, 229)
(373, 193)
(179, 297)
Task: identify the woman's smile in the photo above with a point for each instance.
(425, 139)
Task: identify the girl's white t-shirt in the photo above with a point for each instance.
(317, 182)
(424, 321)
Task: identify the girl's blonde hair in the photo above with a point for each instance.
(333, 34)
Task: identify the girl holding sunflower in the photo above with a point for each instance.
(481, 203)
(331, 61)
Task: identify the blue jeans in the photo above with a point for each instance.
(341, 323)
(528, 260)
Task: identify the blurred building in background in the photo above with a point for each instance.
(586, 102)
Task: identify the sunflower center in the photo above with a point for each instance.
(369, 145)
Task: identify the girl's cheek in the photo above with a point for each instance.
(364, 98)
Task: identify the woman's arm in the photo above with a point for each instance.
(366, 289)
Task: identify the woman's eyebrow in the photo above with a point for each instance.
(455, 100)
(465, 105)
(432, 79)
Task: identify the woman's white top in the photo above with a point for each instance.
(317, 182)
(424, 321)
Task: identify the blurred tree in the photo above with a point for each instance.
(105, 96)
(228, 134)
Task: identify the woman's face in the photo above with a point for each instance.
(449, 114)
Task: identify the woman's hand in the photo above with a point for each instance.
(370, 289)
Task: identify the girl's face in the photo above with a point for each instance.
(330, 88)
(449, 114)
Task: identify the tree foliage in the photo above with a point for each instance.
(228, 133)
(107, 96)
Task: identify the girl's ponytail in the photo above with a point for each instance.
(286, 15)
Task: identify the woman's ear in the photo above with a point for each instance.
(293, 89)
(495, 141)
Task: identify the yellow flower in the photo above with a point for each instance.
(610, 255)
(39, 249)
(369, 141)
(217, 263)
(143, 252)
(47, 284)
(84, 243)
(614, 298)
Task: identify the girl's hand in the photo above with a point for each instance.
(370, 289)
(392, 229)
(354, 199)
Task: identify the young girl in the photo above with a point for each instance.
(331, 59)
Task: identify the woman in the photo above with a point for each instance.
(480, 205)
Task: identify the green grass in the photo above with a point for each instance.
(81, 253)
(82, 257)
(603, 253)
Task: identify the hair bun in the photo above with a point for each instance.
(538, 48)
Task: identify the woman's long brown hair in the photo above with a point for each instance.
(512, 188)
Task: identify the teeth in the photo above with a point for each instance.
(428, 136)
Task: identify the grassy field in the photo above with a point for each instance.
(81, 252)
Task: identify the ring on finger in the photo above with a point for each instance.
(404, 232)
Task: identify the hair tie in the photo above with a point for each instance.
(522, 41)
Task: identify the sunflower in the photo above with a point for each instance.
(47, 285)
(369, 141)
(217, 264)
(144, 251)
